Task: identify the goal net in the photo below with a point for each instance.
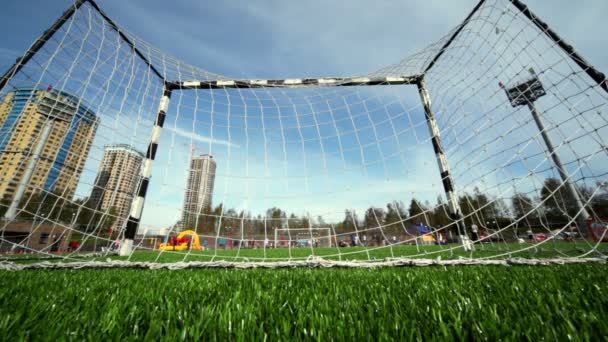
(486, 146)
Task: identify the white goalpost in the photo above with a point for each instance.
(485, 146)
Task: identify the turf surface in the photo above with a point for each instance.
(453, 251)
(512, 303)
(551, 249)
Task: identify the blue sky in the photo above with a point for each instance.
(279, 39)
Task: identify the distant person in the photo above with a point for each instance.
(114, 246)
(74, 245)
(266, 243)
(530, 235)
(222, 242)
(570, 235)
(364, 240)
(474, 233)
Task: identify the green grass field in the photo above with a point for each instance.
(452, 251)
(550, 249)
(455, 303)
(461, 302)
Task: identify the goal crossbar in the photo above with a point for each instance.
(293, 82)
(589, 69)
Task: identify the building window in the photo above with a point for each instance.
(44, 238)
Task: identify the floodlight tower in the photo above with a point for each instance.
(526, 93)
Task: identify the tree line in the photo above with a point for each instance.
(82, 214)
(552, 206)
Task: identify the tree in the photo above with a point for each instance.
(350, 222)
(232, 220)
(202, 223)
(321, 222)
(245, 223)
(275, 218)
(374, 218)
(524, 207)
(416, 211)
(259, 226)
(81, 213)
(477, 208)
(206, 221)
(599, 203)
(502, 213)
(440, 216)
(42, 204)
(293, 221)
(213, 221)
(558, 205)
(486, 207)
(394, 218)
(96, 221)
(305, 222)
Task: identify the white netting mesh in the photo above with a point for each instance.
(300, 172)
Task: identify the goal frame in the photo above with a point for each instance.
(132, 223)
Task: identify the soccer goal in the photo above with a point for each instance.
(487, 146)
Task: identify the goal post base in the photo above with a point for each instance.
(466, 243)
(126, 247)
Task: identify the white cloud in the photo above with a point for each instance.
(200, 138)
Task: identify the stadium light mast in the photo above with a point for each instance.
(525, 94)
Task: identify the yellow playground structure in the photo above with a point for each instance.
(186, 240)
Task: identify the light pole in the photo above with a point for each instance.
(527, 93)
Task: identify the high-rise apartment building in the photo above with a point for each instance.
(45, 139)
(199, 188)
(117, 180)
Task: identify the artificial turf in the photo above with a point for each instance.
(372, 253)
(556, 302)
